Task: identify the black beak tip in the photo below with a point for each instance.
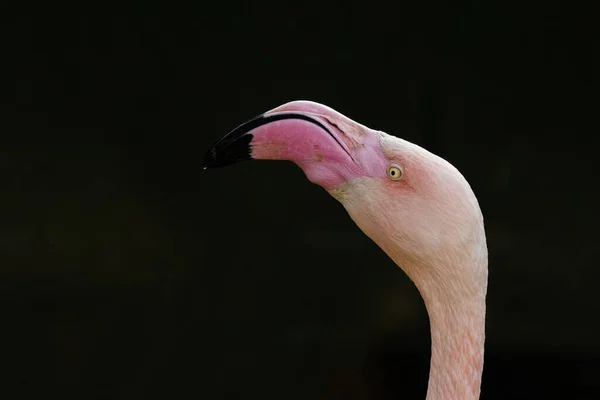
(210, 159)
(228, 150)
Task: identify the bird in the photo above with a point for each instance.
(416, 206)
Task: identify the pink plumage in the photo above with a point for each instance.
(415, 205)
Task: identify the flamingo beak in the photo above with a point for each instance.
(276, 136)
(329, 147)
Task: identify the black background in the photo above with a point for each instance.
(129, 273)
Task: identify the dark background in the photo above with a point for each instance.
(127, 272)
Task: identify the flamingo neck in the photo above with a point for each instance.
(457, 347)
(454, 296)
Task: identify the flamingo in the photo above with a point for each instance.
(416, 206)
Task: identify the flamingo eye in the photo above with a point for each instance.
(395, 172)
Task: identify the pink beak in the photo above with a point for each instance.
(329, 147)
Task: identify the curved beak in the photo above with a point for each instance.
(329, 147)
(285, 135)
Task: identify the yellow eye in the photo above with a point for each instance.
(395, 172)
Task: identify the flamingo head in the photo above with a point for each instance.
(415, 205)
